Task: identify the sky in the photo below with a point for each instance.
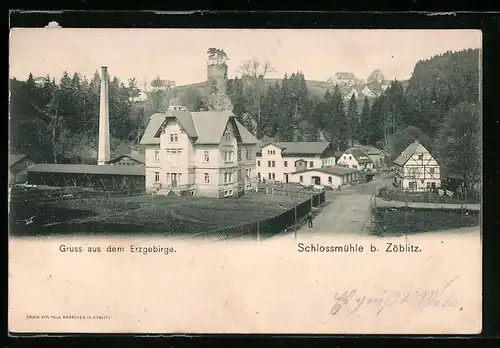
(181, 54)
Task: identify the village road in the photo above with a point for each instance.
(348, 210)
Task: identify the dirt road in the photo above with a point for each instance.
(348, 210)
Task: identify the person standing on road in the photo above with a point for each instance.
(310, 219)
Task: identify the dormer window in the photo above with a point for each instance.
(227, 135)
(420, 157)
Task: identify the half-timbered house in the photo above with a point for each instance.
(416, 169)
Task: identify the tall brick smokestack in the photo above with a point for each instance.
(104, 150)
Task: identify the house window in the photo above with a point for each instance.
(157, 156)
(329, 179)
(157, 176)
(431, 170)
(433, 185)
(273, 163)
(239, 154)
(350, 157)
(258, 175)
(301, 178)
(274, 176)
(207, 178)
(428, 185)
(174, 138)
(249, 154)
(249, 173)
(227, 135)
(226, 176)
(286, 163)
(420, 157)
(258, 163)
(269, 176)
(268, 163)
(311, 164)
(206, 156)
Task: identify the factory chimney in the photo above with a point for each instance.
(104, 150)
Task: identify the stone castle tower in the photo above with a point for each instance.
(217, 71)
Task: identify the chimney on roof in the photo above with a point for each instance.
(416, 141)
(104, 147)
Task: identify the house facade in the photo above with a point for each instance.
(416, 169)
(18, 165)
(199, 153)
(328, 176)
(275, 161)
(356, 158)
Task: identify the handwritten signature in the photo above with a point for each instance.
(352, 301)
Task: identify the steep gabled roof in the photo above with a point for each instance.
(246, 136)
(210, 125)
(301, 148)
(185, 120)
(139, 157)
(359, 154)
(406, 154)
(206, 127)
(14, 158)
(155, 122)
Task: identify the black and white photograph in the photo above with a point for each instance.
(324, 142)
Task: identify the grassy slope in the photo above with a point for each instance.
(146, 214)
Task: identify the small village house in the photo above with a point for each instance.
(18, 165)
(378, 156)
(416, 169)
(328, 176)
(130, 159)
(277, 160)
(206, 153)
(356, 158)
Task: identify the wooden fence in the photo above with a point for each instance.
(266, 228)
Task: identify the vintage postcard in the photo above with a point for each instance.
(306, 181)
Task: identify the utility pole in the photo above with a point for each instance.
(406, 216)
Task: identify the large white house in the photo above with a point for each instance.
(355, 158)
(416, 169)
(277, 160)
(199, 153)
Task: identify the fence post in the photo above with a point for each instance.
(296, 226)
(371, 216)
(258, 231)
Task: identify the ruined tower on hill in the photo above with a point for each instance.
(217, 79)
(217, 71)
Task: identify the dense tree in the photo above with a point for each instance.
(365, 123)
(353, 121)
(58, 122)
(458, 144)
(440, 83)
(401, 139)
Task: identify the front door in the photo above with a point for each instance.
(317, 180)
(173, 179)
